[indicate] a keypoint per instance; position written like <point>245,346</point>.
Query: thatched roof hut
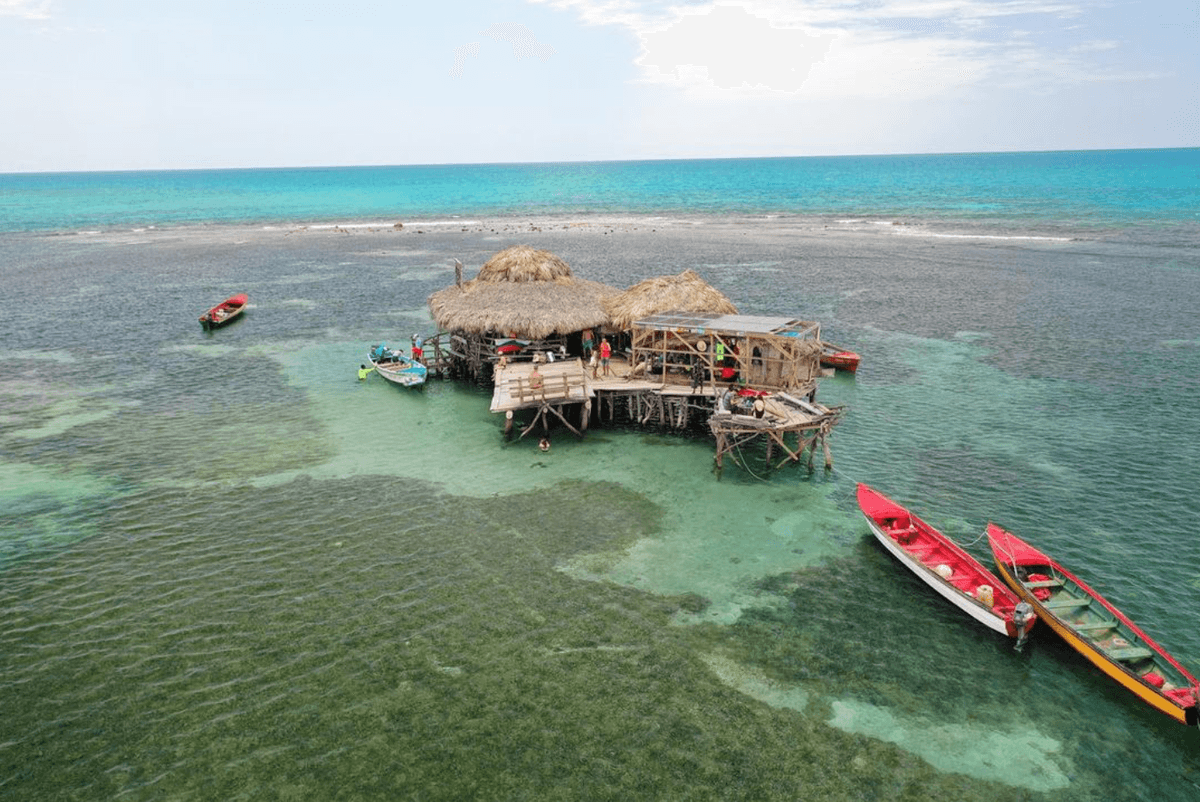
<point>524,292</point>
<point>686,292</point>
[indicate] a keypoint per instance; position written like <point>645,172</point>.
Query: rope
<point>981,536</point>
<point>745,467</point>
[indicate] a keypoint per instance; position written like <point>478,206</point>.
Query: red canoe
<point>1095,628</point>
<point>225,311</point>
<point>834,357</point>
<point>945,566</point>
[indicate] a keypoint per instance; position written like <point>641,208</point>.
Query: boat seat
<point>1095,626</point>
<point>1129,653</point>
<point>1065,604</point>
<point>1044,583</point>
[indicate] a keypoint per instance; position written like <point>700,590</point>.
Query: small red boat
<point>945,566</point>
<point>1095,628</point>
<point>833,356</point>
<point>225,311</point>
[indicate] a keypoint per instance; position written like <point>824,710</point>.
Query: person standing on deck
<point>697,373</point>
<point>418,352</point>
<point>605,354</point>
<point>589,342</point>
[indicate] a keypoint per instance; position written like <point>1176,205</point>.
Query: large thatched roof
<point>686,292</point>
<point>525,292</point>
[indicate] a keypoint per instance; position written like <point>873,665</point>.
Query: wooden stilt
<point>508,424</point>
<point>558,413</point>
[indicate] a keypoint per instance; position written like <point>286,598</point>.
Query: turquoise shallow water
<point>228,569</point>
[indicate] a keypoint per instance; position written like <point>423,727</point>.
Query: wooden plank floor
<point>564,382</point>
<point>570,382</point>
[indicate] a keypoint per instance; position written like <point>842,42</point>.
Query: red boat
<point>224,312</point>
<point>1095,628</point>
<point>945,566</point>
<point>833,356</point>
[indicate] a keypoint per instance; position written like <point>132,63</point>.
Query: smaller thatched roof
<point>525,292</point>
<point>521,263</point>
<point>686,292</point>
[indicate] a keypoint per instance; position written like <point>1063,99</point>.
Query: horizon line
<point>516,163</point>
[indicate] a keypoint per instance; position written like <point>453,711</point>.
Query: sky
<point>165,84</point>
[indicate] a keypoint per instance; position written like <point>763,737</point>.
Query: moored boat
<point>945,566</point>
<point>833,356</point>
<point>395,367</point>
<point>1095,628</point>
<point>225,311</point>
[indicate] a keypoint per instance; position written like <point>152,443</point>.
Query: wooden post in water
<point>508,424</point>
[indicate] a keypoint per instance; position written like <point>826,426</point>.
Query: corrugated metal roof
<point>740,325</point>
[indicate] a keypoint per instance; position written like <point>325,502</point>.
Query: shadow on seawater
<point>326,637</point>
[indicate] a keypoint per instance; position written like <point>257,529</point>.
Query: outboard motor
<point>1022,615</point>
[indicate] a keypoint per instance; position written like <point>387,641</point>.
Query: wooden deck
<point>670,402</point>
<point>564,382</point>
<point>570,382</point>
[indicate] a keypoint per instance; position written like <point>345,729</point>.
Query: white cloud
<point>856,49</point>
<point>28,9</point>
<point>461,54</point>
<point>524,41</point>
<point>728,48</point>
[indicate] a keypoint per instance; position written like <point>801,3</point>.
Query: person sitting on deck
<point>536,384</point>
<point>726,404</point>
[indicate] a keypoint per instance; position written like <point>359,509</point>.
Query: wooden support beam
<point>557,410</point>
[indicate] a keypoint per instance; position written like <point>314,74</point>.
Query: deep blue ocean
<point>231,570</point>
<point>1073,189</point>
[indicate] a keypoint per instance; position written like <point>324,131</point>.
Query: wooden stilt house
<point>524,301</point>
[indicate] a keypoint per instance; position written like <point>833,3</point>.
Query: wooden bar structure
<point>671,377</point>
<point>775,354</point>
<point>682,357</point>
<point>439,357</point>
<point>774,419</point>
<point>481,352</point>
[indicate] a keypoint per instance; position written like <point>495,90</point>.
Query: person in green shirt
<point>363,372</point>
